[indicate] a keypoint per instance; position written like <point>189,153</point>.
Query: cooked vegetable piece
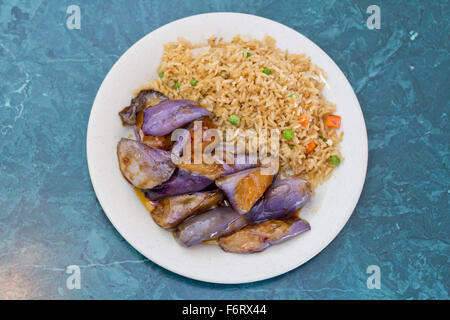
<point>145,98</point>
<point>163,142</point>
<point>241,162</point>
<point>210,169</point>
<point>143,166</point>
<point>283,198</point>
<point>194,128</point>
<point>304,121</point>
<point>249,54</point>
<point>161,74</point>
<point>322,138</point>
<point>335,160</point>
<point>256,238</point>
<point>234,119</point>
<point>212,224</point>
<point>266,71</point>
<point>244,188</point>
<point>310,147</point>
<point>181,182</point>
<point>194,82</point>
<point>170,115</point>
<point>171,211</point>
<point>176,85</point>
<point>293,95</point>
<point>288,134</point>
<point>333,121</point>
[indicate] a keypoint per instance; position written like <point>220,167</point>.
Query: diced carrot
<point>310,147</point>
<point>304,121</point>
<point>333,121</point>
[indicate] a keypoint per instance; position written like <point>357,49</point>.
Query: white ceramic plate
<point>328,211</point>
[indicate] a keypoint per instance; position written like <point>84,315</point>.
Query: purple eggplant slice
<point>235,159</point>
<point>178,145</point>
<point>196,133</point>
<point>143,166</point>
<point>244,188</point>
<point>212,224</point>
<point>205,165</point>
<point>283,198</point>
<point>212,165</point>
<point>170,115</point>
<point>256,238</point>
<point>163,142</point>
<point>209,170</point>
<point>241,162</point>
<point>181,182</point>
<point>171,211</point>
<point>145,98</point>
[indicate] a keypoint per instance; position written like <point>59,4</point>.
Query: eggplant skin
<point>211,169</point>
<point>244,188</point>
<point>170,115</point>
<point>142,166</point>
<point>146,97</point>
<point>256,238</point>
<point>241,162</point>
<point>212,224</point>
<point>163,142</point>
<point>171,211</point>
<point>283,198</point>
<point>181,182</point>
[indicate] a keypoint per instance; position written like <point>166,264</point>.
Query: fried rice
<point>267,88</point>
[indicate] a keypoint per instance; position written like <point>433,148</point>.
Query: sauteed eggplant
<point>143,166</point>
<point>261,236</point>
<point>250,212</point>
<point>210,225</point>
<point>283,198</point>
<point>170,115</point>
<point>181,182</point>
<point>145,98</point>
<point>244,188</point>
<point>170,211</point>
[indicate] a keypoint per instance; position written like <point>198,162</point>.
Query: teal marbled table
<point>50,217</point>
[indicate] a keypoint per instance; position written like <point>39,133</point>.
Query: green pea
<point>194,82</point>
<point>288,134</point>
<point>334,160</point>
<point>234,119</point>
<point>161,75</point>
<point>176,85</point>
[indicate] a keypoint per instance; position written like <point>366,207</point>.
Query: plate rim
<point>197,277</point>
